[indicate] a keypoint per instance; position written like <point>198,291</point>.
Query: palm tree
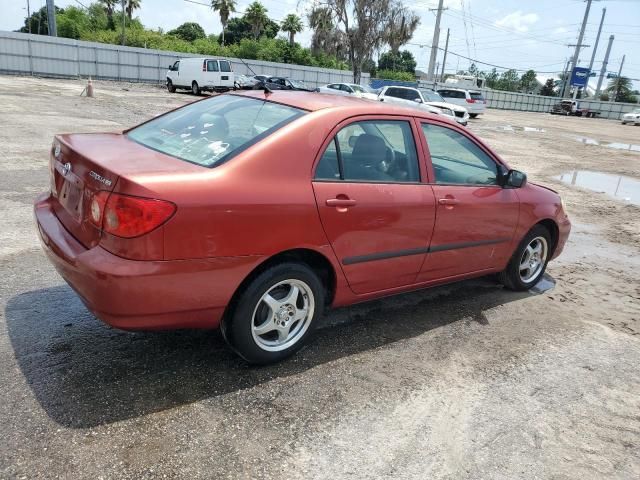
<point>327,38</point>
<point>292,24</point>
<point>224,9</point>
<point>256,15</point>
<point>399,30</point>
<point>620,87</point>
<point>109,7</point>
<point>131,6</point>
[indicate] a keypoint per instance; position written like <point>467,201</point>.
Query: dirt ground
<point>466,381</point>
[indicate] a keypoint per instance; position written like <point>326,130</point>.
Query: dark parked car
<point>283,83</point>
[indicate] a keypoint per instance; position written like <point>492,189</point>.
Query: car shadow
<point>85,374</point>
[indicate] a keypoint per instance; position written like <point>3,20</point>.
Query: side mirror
<point>515,179</point>
<point>417,100</point>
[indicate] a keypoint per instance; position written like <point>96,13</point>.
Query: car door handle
<point>448,201</point>
<point>341,202</point>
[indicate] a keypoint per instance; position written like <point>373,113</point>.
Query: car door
<point>476,217</point>
<point>174,73</point>
<point>376,213</point>
<point>396,95</point>
<point>212,74</point>
<point>227,77</point>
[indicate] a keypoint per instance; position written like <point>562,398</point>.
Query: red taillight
<point>470,100</point>
<point>126,216</point>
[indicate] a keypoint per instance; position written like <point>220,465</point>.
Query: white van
<point>201,74</point>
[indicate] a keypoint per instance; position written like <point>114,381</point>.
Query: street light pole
<point>579,45</point>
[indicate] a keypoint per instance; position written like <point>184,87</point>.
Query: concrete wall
<point>22,53</point>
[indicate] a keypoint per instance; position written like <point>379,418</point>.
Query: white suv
<point>423,98</point>
<point>471,99</point>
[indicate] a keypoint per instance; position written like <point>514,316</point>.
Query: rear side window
<point>212,65</point>
<point>452,93</point>
<point>211,131</point>
<point>225,66</point>
<point>379,151</point>
<point>458,160</point>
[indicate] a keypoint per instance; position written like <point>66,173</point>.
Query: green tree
<point>327,39</point>
<point>109,8</point>
<point>188,31</point>
<point>620,89</point>
<point>131,6</point>
<point>400,26</point>
<point>256,15</point>
<point>239,29</point>
<point>400,62</point>
<point>548,89</point>
<point>38,21</point>
<point>224,9</point>
<point>492,78</point>
<point>509,81</point>
<point>72,22</point>
<point>528,81</point>
<point>394,75</point>
<point>98,19</point>
<point>291,24</point>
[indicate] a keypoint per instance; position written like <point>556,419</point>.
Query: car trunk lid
<point>82,165</point>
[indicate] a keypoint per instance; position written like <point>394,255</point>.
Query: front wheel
<point>528,263</point>
<point>275,314</point>
<point>170,86</point>
<point>195,89</point>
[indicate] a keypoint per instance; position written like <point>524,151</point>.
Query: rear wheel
<point>170,86</point>
<point>195,89</point>
<point>528,263</point>
<point>275,314</point>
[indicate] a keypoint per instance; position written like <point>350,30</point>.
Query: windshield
<point>431,96</point>
<point>357,88</point>
<point>476,95</point>
<point>211,131</point>
<point>298,84</point>
<point>635,111</point>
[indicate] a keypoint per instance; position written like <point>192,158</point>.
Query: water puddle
<point>617,186</point>
<point>546,284</point>
<point>615,145</point>
<point>510,128</point>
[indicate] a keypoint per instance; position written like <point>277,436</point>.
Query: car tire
<point>275,315</point>
<point>473,115</point>
<point>170,86</point>
<point>529,262</point>
<point>195,89</point>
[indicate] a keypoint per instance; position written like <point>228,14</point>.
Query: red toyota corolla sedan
<point>256,211</point>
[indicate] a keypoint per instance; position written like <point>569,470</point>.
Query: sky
<point>518,34</point>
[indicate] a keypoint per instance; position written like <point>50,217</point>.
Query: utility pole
<point>579,45</point>
<point>619,75</point>
<point>595,47</point>
<point>28,16</point>
<point>444,60</point>
<point>565,79</point>
<point>122,2</point>
<point>603,70</point>
<point>434,43</point>
<point>51,18</point>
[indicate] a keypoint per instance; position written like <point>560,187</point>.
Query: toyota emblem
<point>66,168</point>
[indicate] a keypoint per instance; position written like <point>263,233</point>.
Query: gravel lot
<point>463,381</point>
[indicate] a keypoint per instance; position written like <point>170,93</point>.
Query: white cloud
<point>518,21</point>
<point>560,30</point>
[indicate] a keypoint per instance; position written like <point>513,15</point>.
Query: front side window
<point>371,151</point>
<point>176,66</point>
<point>225,66</point>
<point>458,160</point>
<point>211,131</point>
<point>212,65</point>
<point>395,92</point>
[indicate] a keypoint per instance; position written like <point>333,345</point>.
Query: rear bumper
<point>142,295</point>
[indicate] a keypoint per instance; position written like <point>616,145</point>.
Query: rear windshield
<point>211,131</point>
<point>476,95</point>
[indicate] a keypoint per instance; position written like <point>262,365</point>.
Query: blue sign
<point>580,77</point>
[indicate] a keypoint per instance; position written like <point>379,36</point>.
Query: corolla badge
<point>66,168</point>
<point>100,178</point>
